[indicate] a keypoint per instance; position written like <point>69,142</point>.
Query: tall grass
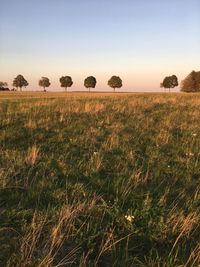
<point>99,180</point>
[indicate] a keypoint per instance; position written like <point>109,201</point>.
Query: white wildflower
<point>95,152</point>
<point>129,218</point>
<point>194,134</point>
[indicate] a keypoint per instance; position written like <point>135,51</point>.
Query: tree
<point>191,83</point>
<point>169,82</point>
<point>2,84</point>
<point>115,82</point>
<point>20,82</point>
<point>44,82</point>
<point>66,81</point>
<point>90,82</point>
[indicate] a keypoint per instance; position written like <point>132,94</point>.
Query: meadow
<point>99,180</point>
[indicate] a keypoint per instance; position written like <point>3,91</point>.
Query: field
<point>99,180</point>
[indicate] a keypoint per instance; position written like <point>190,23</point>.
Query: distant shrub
<point>4,88</point>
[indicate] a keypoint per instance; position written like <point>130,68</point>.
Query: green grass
<point>72,168</point>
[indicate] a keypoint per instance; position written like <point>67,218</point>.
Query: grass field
<point>99,180</point>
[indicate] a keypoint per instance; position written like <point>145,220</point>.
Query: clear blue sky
<point>139,40</point>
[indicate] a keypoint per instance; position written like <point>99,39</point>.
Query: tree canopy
<point>44,82</point>
<point>20,82</point>
<point>191,83</point>
<point>115,82</point>
<point>90,82</point>
<point>66,81</point>
<point>169,82</point>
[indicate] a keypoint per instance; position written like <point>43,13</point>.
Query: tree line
<point>190,84</point>
<point>65,81</point>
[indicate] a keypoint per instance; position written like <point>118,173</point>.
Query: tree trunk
<point>66,89</point>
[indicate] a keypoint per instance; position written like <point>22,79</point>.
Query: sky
<point>142,41</point>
